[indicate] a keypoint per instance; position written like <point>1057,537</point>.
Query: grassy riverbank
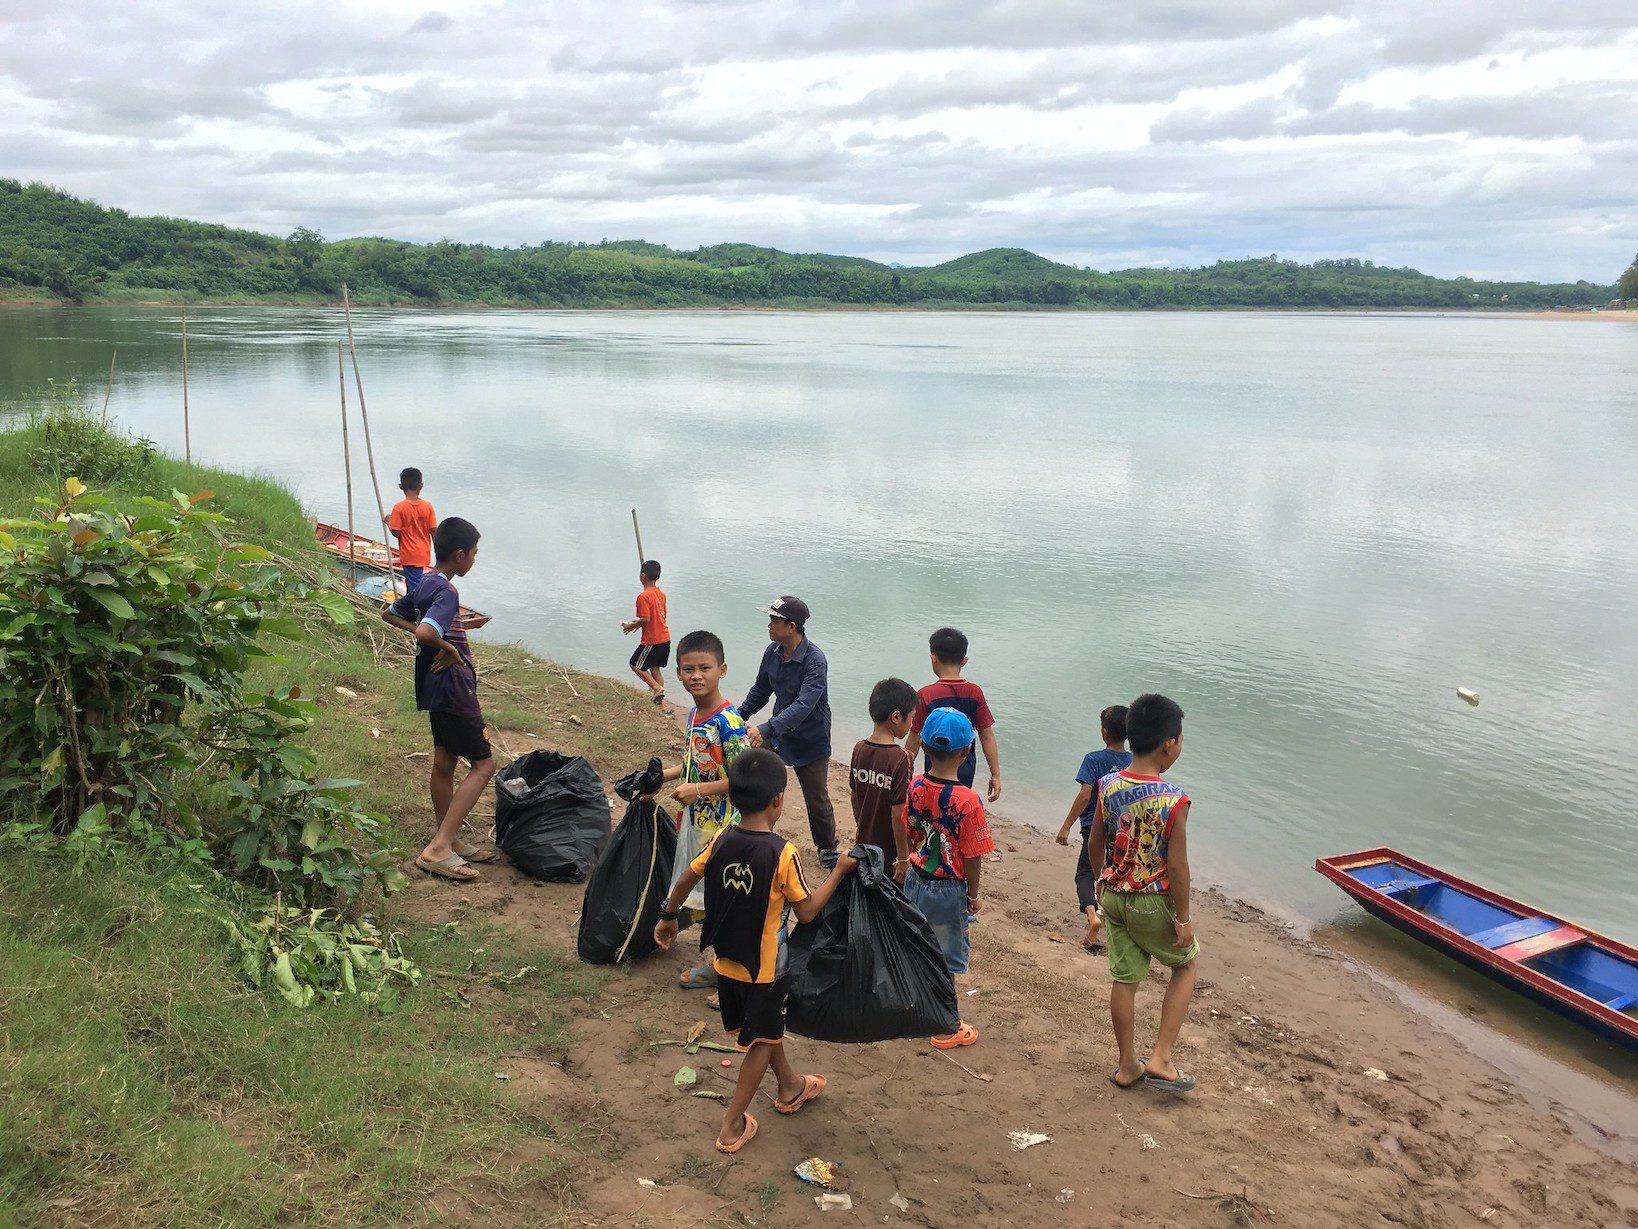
<point>142,1082</point>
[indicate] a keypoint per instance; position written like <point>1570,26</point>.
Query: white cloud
<point>1493,137</point>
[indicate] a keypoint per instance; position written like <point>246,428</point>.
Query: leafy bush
<point>68,440</point>
<point>124,646</point>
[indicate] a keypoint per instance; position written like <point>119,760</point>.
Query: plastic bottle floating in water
<point>1468,694</point>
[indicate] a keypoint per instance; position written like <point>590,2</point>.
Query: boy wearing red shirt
<point>413,522</point>
<point>653,652</point>
<point>948,649</point>
<point>949,836</point>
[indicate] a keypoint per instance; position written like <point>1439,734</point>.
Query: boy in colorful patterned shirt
<point>716,736</point>
<point>1138,827</point>
<point>949,836</point>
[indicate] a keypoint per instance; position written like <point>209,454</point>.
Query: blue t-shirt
<point>1097,765</point>
<point>454,690</point>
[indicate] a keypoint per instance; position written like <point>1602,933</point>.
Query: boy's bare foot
<point>1093,925</point>
<point>1121,1077</point>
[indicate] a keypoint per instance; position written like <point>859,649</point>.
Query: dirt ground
<point>1322,1099</point>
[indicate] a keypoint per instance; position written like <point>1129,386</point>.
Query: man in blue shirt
<point>794,672</point>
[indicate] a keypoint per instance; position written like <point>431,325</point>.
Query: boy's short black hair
<point>702,642</point>
<point>755,779</point>
<point>453,534</point>
<point>891,696</point>
<point>1113,720</point>
<point>948,645</point>
<point>1151,720</point>
<point>651,569</point>
<point>409,479</point>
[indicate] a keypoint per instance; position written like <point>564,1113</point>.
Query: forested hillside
<point>58,246</point>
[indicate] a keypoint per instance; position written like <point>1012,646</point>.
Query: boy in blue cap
<point>949,836</point>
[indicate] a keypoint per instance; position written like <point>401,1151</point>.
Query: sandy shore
<point>1324,1097</point>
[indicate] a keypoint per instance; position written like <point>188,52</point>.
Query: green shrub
<point>69,440</point>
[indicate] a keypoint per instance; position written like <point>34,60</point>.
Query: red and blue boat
<point>1584,976</point>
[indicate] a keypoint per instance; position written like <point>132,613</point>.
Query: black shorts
<point>754,1010</point>
<point>652,656</point>
<point>460,735</point>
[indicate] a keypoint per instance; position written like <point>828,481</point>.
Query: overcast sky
<point>1488,137</point>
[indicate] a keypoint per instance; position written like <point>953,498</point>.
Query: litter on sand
<point>346,693</point>
<point>685,1076</point>
<point>820,1172</point>
<point>711,1094</point>
<point>1375,1073</point>
<point>501,1075</point>
<point>829,1202</point>
<point>900,1202</point>
<point>647,1183</point>
<point>1027,1139</point>
<point>1065,1195</point>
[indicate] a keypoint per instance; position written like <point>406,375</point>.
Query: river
<point>1307,529</point>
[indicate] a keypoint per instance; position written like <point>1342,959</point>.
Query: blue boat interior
<point>1582,967</point>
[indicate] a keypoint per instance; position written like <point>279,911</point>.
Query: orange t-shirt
<point>413,521</point>
<point>651,609</point>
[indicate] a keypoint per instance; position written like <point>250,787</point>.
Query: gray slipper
<point>1183,1083</point>
<point>703,977</point>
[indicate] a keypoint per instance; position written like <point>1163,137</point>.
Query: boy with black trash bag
<point>624,893</point>
<point>753,881</point>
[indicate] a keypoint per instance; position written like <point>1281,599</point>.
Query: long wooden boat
<point>383,577</point>
<point>377,556</point>
<point>1584,976</point>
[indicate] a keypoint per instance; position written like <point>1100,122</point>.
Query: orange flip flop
<point>963,1036</point>
<point>812,1086</point>
<point>746,1137</point>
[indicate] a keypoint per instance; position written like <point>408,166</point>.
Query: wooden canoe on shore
<point>379,562</point>
<point>1584,976</point>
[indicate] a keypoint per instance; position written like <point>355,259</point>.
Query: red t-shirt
<point>413,521</point>
<point>962,694</point>
<point>947,826</point>
<point>651,609</point>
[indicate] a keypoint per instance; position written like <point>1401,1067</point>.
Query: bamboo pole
<point>369,448</point>
<point>109,392</point>
<point>347,464</point>
<point>641,558</point>
<point>187,442</point>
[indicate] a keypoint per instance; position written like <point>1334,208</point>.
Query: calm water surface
<point>1310,530</point>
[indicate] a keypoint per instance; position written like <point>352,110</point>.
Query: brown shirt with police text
<point>879,779</point>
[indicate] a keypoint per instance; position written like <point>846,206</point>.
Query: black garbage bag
<point>625,892</point>
<point>551,815</point>
<point>867,968</point>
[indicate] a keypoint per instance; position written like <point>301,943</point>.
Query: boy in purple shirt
<point>446,689</point>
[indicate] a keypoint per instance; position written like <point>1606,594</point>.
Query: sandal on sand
<point>963,1036</point>
<point>1183,1083</point>
<point>812,1086</point>
<point>1143,1066</point>
<point>745,1137</point>
<point>658,697</point>
<point>473,854</point>
<point>713,1002</point>
<point>450,868</point>
<point>702,977</point>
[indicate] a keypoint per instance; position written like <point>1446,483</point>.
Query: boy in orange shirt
<point>412,521</point>
<point>653,652</point>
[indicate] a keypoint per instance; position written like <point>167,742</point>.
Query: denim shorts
<point>943,902</point>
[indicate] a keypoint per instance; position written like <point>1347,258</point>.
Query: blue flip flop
<point>1183,1083</point>
<point>1128,1087</point>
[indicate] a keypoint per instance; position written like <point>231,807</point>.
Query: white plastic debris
<point>900,1202</point>
<point>1375,1073</point>
<point>346,693</point>
<point>647,1183</point>
<point>1026,1139</point>
<point>1065,1195</point>
<point>830,1201</point>
<point>1468,694</point>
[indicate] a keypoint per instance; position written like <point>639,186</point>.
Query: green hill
<point>58,246</point>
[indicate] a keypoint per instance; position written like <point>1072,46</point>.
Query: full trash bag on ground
<point>625,892</point>
<point>551,815</point>
<point>867,968</point>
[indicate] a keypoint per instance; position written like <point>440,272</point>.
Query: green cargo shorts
<point>1141,926</point>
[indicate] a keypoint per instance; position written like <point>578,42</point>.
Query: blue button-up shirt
<point>800,727</point>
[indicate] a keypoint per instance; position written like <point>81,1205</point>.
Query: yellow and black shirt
<point>750,878</point>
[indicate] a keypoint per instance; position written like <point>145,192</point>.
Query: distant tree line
<point>75,250</point>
